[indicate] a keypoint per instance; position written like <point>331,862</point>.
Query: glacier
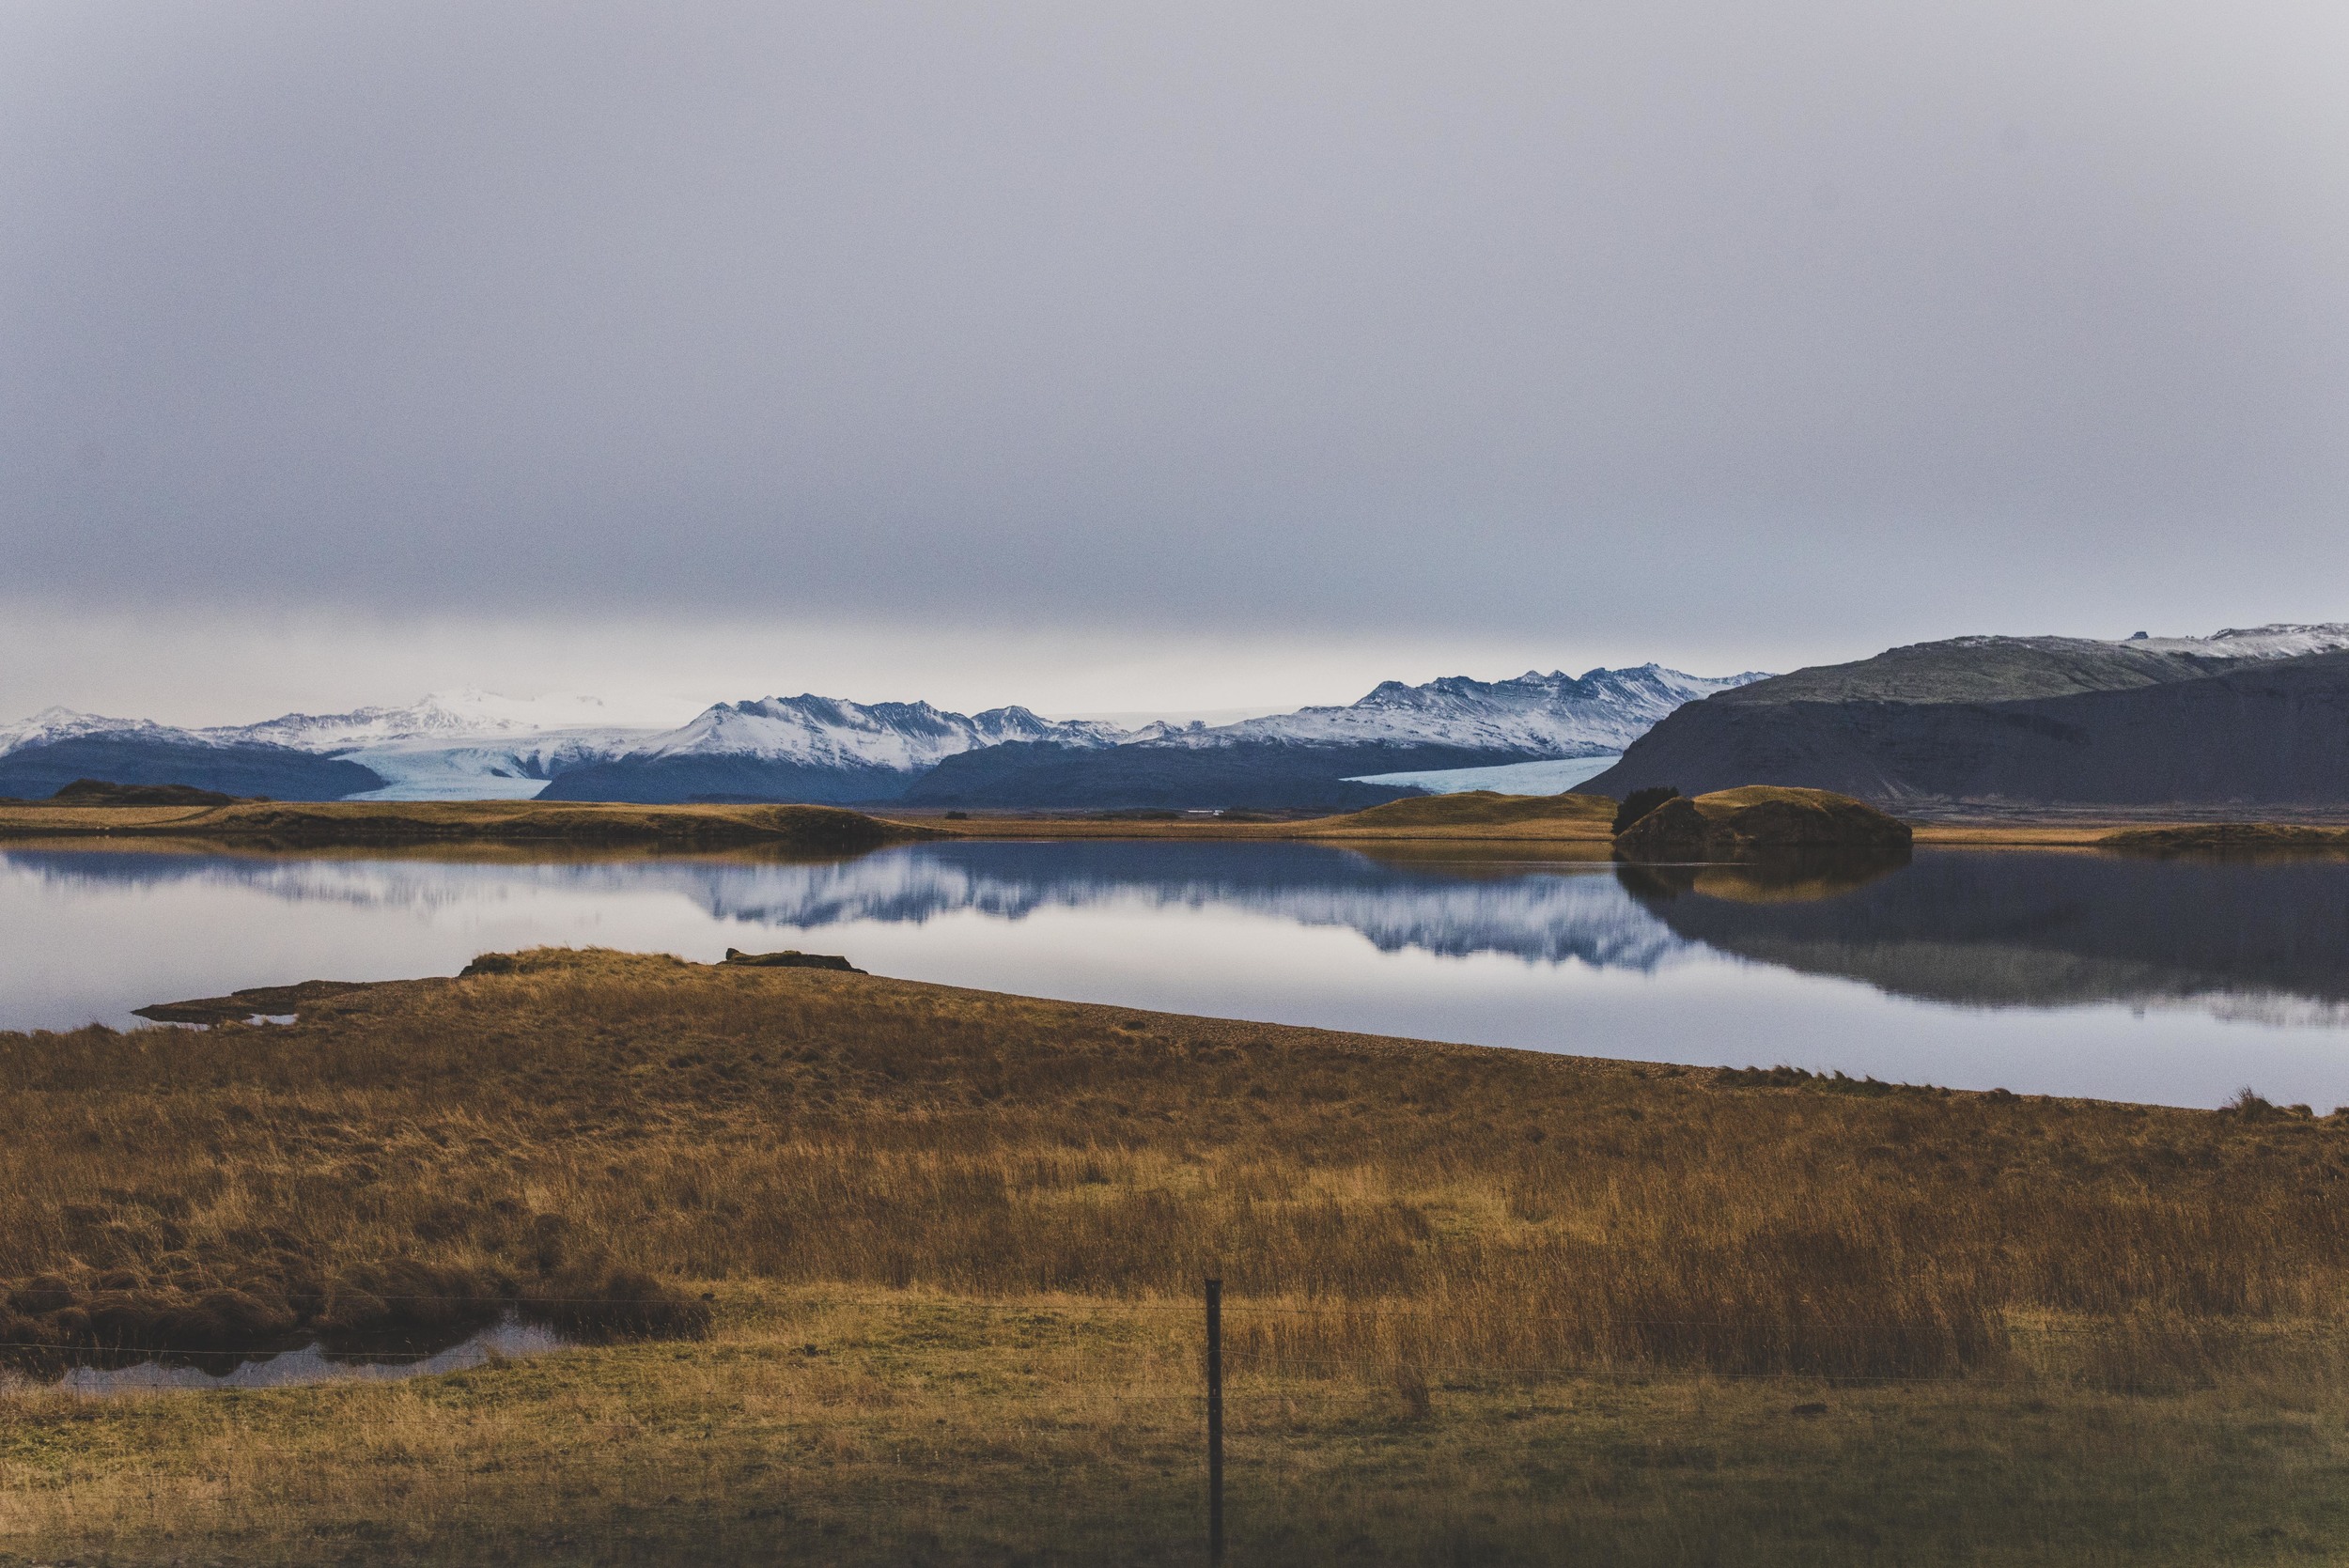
<point>1509,778</point>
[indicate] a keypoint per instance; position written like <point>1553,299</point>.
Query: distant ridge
<point>159,756</point>
<point>1314,758</point>
<point>2254,716</point>
<point>1535,717</point>
<point>810,749</point>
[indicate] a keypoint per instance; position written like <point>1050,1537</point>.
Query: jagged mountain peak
<point>1533,716</point>
<point>466,742</point>
<point>465,713</point>
<point>56,722</point>
<point>810,730</point>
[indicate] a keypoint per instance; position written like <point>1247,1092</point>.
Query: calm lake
<point>2048,972</point>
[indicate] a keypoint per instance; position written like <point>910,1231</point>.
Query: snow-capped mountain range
<point>474,744</point>
<point>2277,639</point>
<point>451,745</point>
<point>1539,716</point>
<point>468,715</point>
<point>902,736</point>
<point>445,715</point>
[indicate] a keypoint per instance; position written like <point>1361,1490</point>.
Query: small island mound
<point>1759,819</point>
<point>2229,839</point>
<point>1479,808</point>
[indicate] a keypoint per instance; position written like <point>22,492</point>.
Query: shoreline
<point>517,826</point>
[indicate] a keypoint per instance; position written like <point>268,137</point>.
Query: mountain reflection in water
<point>2039,930</point>
<point>1714,963</point>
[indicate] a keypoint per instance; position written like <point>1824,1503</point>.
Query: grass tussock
<point>576,1135</point>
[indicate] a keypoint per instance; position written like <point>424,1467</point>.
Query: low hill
<point>402,822</point>
<point>1759,819</point>
<point>2048,722</point>
<point>1481,808</point>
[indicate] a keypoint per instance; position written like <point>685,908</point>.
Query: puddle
<point>314,1363</point>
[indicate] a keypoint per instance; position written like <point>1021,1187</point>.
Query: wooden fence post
<point>1215,1421</point>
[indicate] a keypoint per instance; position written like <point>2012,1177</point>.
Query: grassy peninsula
<point>931,1257</point>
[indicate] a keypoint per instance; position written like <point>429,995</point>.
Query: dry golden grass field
<point>870,1271</point>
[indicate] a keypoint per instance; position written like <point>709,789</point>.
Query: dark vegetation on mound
<point>1759,819</point>
<point>588,1129</point>
<point>277,772</point>
<point>792,958</point>
<point>101,792</point>
<point>2025,720</point>
<point>1639,802</point>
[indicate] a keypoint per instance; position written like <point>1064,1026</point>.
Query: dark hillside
<point>1985,670</point>
<point>280,772</point>
<point>2257,733</point>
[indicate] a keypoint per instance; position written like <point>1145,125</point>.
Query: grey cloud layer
<point>1445,317</point>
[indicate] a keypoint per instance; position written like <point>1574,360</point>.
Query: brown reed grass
<point>855,1426</point>
<point>591,1125</point>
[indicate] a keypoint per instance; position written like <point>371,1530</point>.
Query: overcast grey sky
<point>1121,356</point>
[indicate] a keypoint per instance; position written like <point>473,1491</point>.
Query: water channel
<point>2069,973</point>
